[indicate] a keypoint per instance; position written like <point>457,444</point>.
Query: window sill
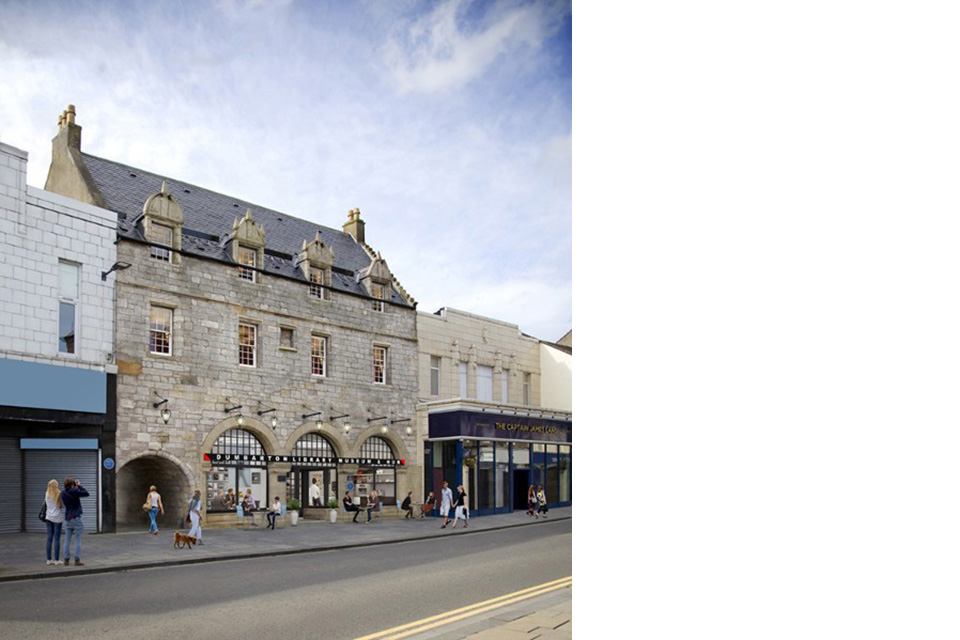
<point>287,349</point>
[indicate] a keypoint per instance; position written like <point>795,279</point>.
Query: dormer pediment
<point>248,233</point>
<point>315,254</point>
<point>377,271</point>
<point>163,207</point>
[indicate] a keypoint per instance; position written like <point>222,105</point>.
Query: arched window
<point>238,442</point>
<point>379,479</point>
<point>376,447</point>
<point>314,444</point>
<point>228,481</point>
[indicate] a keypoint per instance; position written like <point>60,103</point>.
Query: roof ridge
<point>218,193</point>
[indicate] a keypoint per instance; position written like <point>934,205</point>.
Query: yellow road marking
<point>470,610</point>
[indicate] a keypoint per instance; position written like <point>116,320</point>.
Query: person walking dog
<point>73,517</point>
<point>156,504</point>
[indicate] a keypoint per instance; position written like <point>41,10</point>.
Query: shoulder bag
<point>43,512</point>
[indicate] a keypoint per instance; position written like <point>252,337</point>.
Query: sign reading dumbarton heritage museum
<point>299,461</point>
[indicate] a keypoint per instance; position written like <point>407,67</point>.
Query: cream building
<point>481,417</point>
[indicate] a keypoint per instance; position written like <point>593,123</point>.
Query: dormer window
<point>247,258</point>
<point>161,234</point>
<point>317,282</point>
<point>377,294</point>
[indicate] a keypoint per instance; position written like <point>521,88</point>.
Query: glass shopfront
<point>318,469</point>
<point>497,472</point>
<point>238,463</point>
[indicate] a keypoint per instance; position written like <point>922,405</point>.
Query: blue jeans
<point>73,527</point>
<point>153,518</point>
<point>53,533</point>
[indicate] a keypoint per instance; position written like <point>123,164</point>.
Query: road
<point>334,594</point>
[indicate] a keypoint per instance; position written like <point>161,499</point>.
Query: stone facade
<point>202,264</point>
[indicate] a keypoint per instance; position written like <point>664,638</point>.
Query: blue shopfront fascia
<point>34,385</point>
<point>460,425</point>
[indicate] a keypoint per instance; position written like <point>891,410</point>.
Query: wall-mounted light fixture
<point>319,424</point>
<point>117,266</point>
<point>239,414</point>
<point>409,429</point>
<point>346,425</point>
<point>165,412</point>
<point>273,419</point>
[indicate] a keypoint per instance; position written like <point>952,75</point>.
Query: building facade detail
<point>258,381</point>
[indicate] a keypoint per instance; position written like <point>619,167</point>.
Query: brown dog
<point>181,539</point>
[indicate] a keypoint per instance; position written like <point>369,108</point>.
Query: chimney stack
<point>354,225</point>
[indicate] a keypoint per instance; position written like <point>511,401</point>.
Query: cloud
<point>438,53</point>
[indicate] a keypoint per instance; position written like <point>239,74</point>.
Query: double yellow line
<point>465,612</point>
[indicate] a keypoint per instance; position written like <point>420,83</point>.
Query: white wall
<point>37,230</point>
<point>556,378</point>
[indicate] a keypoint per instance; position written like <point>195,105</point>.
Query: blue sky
<point>447,123</point>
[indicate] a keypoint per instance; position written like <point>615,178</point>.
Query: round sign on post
<point>108,463</point>
<point>349,486</point>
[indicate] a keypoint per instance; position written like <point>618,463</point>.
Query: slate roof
<point>209,217</point>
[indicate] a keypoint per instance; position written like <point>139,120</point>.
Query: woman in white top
<point>54,521</point>
<point>194,509</point>
<point>156,504</point>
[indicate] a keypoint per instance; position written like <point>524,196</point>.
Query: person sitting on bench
<point>407,505</point>
<point>428,505</point>
<point>273,513</point>
<point>348,506</point>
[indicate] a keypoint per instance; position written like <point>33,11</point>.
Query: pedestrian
<point>531,500</point>
<point>249,504</point>
<point>156,504</point>
<point>446,499</point>
<point>231,500</point>
<point>195,517</point>
<point>54,521</point>
<point>407,505</point>
<point>372,505</point>
<point>220,502</point>
<point>542,501</point>
<point>73,518</point>
<point>273,513</point>
<point>461,507</point>
<point>428,504</point>
<point>348,506</point>
<point>315,494</point>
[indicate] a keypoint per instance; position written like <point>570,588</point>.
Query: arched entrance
<point>133,483</point>
<point>381,476</point>
<point>315,471</point>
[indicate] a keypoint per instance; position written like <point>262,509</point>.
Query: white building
<point>57,415</point>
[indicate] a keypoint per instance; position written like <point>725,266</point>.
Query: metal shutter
<point>10,486</point>
<point>42,466</point>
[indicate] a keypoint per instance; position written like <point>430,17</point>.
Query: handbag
<point>147,506</point>
<point>43,512</point>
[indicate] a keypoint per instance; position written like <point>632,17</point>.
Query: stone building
<point>255,350</point>
<point>57,409</point>
<point>480,416</point>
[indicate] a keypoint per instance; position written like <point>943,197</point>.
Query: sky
<point>448,124</point>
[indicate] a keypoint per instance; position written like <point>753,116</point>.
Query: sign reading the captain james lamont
<point>480,425</point>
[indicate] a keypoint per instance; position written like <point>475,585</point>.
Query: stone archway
<point>173,483</point>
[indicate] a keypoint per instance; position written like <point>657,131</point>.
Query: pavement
<point>22,557</point>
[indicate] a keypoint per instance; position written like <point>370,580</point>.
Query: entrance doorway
<point>521,483</point>
<point>133,483</point>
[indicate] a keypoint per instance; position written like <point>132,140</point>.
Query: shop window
<point>552,485</point>
<point>161,330</point>
<point>565,485</point>
<point>381,480</point>
<point>235,478</point>
<point>69,291</point>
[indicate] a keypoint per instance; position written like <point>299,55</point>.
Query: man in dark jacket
<point>73,512</point>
